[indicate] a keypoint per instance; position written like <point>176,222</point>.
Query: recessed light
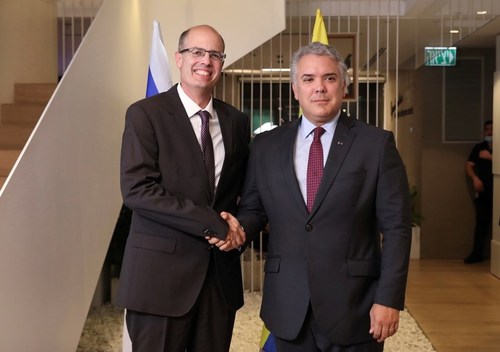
<point>275,70</point>
<point>482,12</point>
<point>454,31</point>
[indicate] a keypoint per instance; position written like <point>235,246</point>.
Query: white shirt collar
<point>191,107</point>
<point>306,126</point>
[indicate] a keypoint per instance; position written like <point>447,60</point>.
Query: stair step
<point>2,181</point>
<point>7,160</point>
<point>33,92</point>
<point>21,113</point>
<point>14,137</point>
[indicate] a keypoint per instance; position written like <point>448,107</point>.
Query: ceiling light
<point>482,12</point>
<point>454,31</point>
<point>275,70</point>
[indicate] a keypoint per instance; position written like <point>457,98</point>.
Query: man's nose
<point>320,87</point>
<point>206,57</point>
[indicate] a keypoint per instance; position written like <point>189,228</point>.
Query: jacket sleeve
<point>142,189</point>
<point>251,212</point>
<point>394,222</point>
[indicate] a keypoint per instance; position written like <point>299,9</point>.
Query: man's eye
<point>331,79</point>
<point>307,79</point>
<point>196,52</point>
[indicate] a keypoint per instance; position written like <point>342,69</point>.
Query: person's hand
<point>478,184</point>
<point>236,234</point>
<point>485,154</point>
<point>235,237</point>
<point>384,322</point>
<point>214,241</point>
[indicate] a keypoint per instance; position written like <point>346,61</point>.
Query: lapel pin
<point>340,143</point>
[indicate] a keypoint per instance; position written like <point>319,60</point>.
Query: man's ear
<point>294,88</point>
<point>178,59</point>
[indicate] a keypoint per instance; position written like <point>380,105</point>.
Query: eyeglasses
<point>199,53</point>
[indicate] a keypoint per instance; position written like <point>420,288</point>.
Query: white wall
<point>59,206</point>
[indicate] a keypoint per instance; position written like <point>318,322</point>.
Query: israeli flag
<point>159,78</point>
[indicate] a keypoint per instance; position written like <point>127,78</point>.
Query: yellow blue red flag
<point>319,31</point>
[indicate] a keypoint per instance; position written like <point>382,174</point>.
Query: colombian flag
<point>319,32</point>
<point>267,343</point>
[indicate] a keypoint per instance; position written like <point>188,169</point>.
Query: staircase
<point>18,120</point>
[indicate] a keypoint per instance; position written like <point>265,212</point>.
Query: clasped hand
<point>235,237</point>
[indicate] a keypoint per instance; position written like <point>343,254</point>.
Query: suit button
<point>208,232</point>
<point>309,227</point>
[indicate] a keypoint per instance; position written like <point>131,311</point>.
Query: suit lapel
<point>286,163</point>
<point>184,131</point>
<point>341,143</point>
<point>226,127</point>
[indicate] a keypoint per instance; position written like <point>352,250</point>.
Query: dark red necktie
<point>207,149</point>
<point>314,167</point>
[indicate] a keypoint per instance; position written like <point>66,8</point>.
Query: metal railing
<point>74,18</point>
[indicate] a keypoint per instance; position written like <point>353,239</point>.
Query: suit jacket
<point>330,258</point>
<point>164,182</point>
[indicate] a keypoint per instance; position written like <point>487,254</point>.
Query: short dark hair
<point>488,122</point>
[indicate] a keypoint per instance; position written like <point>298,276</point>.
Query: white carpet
<point>103,329</point>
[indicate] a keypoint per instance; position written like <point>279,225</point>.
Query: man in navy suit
<point>339,245</point>
<point>181,293</point>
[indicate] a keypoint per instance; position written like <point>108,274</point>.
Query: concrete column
<point>495,242</point>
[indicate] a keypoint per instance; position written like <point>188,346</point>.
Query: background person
<point>181,293</point>
<point>479,168</point>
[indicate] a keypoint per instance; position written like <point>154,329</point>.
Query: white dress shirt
<point>303,143</point>
<point>215,132</point>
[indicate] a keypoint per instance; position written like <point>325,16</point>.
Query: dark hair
<point>488,122</point>
<point>320,49</point>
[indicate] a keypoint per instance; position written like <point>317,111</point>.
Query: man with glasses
<point>183,159</point>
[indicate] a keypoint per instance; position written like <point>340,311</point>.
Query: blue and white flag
<point>159,78</point>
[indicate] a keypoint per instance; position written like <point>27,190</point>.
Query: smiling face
<point>319,88</point>
<point>198,75</point>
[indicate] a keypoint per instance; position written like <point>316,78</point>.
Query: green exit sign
<point>440,56</point>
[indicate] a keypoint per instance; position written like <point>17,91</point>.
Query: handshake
<point>235,237</point>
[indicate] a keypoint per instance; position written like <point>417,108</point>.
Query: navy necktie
<point>207,149</point>
<point>314,167</point>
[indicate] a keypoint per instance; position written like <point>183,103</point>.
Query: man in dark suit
<point>340,233</point>
<point>181,293</point>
